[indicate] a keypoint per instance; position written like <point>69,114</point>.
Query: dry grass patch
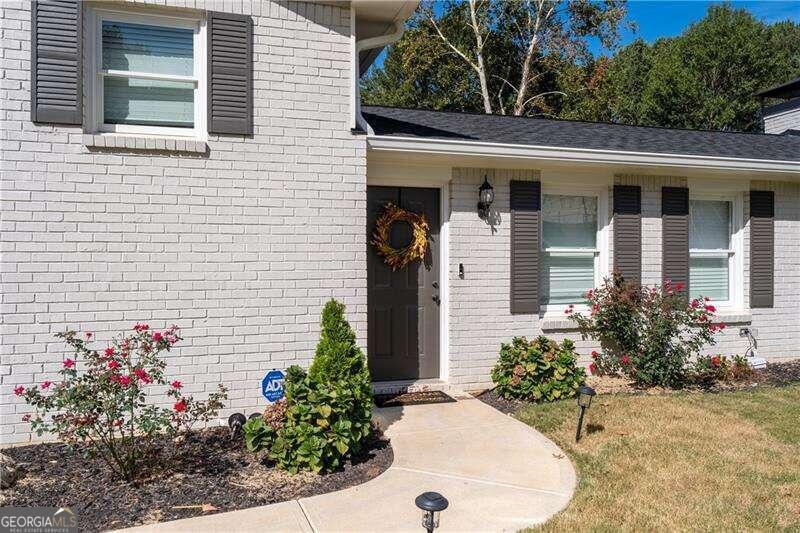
<point>700,462</point>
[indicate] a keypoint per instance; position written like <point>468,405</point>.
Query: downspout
<point>380,41</point>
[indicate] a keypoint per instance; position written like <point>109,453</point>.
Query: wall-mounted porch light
<point>585,395</point>
<point>485,198</point>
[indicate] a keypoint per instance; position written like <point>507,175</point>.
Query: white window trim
<point>96,73</point>
<point>735,254</point>
<point>602,260</point>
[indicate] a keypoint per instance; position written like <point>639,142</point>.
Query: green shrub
<point>328,411</point>
<point>708,370</point>
<point>648,334</point>
<point>539,370</point>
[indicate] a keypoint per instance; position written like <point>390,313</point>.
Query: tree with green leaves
<point>497,57</point>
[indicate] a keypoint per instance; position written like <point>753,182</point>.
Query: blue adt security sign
<point>272,386</point>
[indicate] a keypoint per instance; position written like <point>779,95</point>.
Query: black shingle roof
<point>400,122</point>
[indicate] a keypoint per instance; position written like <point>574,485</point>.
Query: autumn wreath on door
<point>416,249</point>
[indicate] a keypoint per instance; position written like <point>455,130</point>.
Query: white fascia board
<point>576,155</point>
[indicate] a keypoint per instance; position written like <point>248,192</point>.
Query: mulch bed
<point>208,473</point>
<point>412,398</point>
<point>776,374</point>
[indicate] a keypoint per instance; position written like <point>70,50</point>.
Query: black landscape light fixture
<point>432,503</point>
<point>235,422</point>
<point>485,198</point>
<point>585,395</point>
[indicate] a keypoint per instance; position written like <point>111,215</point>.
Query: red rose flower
<point>679,286</point>
<point>18,390</point>
<point>69,363</point>
<point>110,351</point>
<point>26,418</point>
<point>179,406</point>
<point>157,336</point>
<point>142,374</point>
<point>593,368</point>
<point>625,360</point>
<point>124,380</point>
<point>715,360</point>
<point>706,298</point>
<point>176,384</point>
<point>46,384</point>
<point>141,327</point>
<point>710,308</point>
<point>113,365</point>
<point>695,304</point>
<point>595,354</point>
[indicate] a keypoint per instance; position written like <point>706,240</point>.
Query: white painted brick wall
<point>241,247</point>
<point>479,304</point>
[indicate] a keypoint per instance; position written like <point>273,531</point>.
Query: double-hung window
<point>570,258</point>
<point>712,251</point>
<point>148,74</point>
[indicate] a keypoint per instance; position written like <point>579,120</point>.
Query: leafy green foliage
<point>648,334</point>
<point>328,411</point>
<point>704,78</point>
<point>540,370</point>
<point>422,71</point>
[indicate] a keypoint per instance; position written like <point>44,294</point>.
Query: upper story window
<point>148,74</point>
<point>714,252</point>
<point>571,248</point>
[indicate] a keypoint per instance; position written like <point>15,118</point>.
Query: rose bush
<point>102,398</point>
<point>647,334</point>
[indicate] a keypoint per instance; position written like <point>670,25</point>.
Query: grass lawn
<point>727,461</point>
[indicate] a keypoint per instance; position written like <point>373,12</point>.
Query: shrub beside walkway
<point>498,473</point>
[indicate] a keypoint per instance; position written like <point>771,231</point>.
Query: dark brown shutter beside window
<point>762,248</point>
<point>675,235</point>
<point>56,62</point>
<point>628,232</point>
<point>230,73</point>
<point>525,209</point>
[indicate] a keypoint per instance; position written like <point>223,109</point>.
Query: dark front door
<point>403,306</point>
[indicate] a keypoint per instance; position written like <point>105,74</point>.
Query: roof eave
<point>577,155</point>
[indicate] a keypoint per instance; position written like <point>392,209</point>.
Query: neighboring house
<point>207,164</point>
<point>782,117</point>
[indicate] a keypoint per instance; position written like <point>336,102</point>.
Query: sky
<point>667,18</point>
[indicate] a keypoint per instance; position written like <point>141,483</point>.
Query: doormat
<point>412,398</point>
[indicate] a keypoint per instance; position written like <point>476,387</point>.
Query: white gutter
<point>398,28</point>
<point>577,155</point>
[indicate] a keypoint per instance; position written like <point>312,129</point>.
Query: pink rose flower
<point>176,384</point>
<point>18,390</point>
<point>69,363</point>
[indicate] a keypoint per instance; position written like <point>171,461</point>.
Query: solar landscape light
<point>432,503</point>
<point>235,422</point>
<point>585,395</point>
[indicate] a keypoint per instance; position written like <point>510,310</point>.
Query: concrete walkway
<point>498,474</point>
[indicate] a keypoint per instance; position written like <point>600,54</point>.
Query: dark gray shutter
<point>230,73</point>
<point>525,209</point>
<point>628,232</point>
<point>56,62</point>
<point>762,248</point>
<point>675,235</point>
